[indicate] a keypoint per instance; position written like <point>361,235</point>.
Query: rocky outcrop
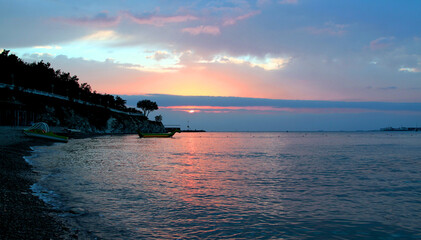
<point>90,119</point>
<point>129,124</point>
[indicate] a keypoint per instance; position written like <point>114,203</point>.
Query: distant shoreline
<point>401,129</point>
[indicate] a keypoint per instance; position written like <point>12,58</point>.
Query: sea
<point>237,185</point>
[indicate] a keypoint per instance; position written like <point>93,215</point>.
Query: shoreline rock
<point>93,120</point>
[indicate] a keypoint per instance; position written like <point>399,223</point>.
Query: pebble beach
<point>23,215</point>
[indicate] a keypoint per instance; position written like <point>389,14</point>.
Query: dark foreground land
<point>23,215</point>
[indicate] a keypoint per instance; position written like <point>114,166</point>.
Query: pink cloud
<point>381,43</point>
<point>212,30</point>
<point>233,21</point>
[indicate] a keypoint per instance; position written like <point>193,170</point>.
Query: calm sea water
<point>238,185</point>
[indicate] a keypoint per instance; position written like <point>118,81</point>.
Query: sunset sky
<point>256,65</point>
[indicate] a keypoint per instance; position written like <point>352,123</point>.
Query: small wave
<point>28,159</point>
<point>46,195</point>
<point>35,149</point>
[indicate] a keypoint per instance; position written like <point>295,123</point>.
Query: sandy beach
<point>23,215</point>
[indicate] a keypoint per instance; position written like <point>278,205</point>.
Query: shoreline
<point>24,215</point>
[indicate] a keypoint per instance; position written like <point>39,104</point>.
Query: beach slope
<point>23,215</point>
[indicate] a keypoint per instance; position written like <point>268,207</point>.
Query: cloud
<point>267,63</point>
<point>39,56</point>
<point>160,20</point>
<point>409,70</point>
<point>262,114</point>
<point>323,67</point>
<point>48,47</point>
<point>232,21</point>
<point>104,20</point>
<point>388,88</point>
<point>212,30</point>
<point>141,68</point>
<point>260,109</point>
<point>105,35</point>
<point>100,20</point>
<point>159,55</point>
<point>381,43</point>
<point>206,103</point>
<point>272,64</point>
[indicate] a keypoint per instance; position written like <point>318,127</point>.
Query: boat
<point>157,135</point>
<point>41,130</point>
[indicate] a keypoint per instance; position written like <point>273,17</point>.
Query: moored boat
<point>41,130</point>
<point>157,135</point>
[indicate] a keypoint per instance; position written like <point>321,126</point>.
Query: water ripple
<point>239,185</point>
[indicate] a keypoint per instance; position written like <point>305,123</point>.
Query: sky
<point>258,65</point>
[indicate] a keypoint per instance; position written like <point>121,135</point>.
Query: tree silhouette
<point>158,118</point>
<point>41,76</point>
<point>147,106</point>
<point>120,103</point>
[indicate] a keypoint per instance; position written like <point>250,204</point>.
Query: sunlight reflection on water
<point>240,185</point>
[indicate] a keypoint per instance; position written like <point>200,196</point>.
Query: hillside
<point>36,92</point>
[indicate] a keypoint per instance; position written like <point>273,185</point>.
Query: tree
<point>86,87</point>
<point>120,103</point>
<point>158,118</point>
<point>147,106</point>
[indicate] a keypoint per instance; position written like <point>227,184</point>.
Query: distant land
<point>416,129</point>
<point>191,130</point>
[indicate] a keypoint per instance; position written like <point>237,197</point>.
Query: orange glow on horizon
<point>263,109</point>
<point>186,82</point>
<point>216,108</point>
<point>190,81</point>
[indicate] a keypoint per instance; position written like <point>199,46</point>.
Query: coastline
<point>23,215</point>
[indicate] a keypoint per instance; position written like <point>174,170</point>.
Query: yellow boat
<point>157,135</point>
<point>41,130</point>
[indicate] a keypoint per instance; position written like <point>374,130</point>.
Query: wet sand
<point>23,215</point>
